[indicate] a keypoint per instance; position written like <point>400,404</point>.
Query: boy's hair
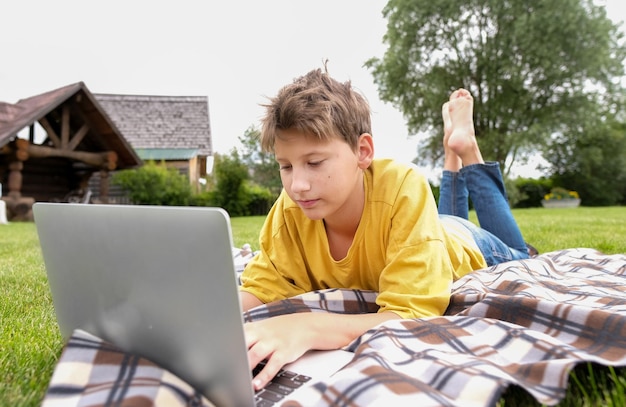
<point>317,105</point>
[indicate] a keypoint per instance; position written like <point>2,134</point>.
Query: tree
<point>529,66</point>
<point>264,170</point>
<point>592,161</point>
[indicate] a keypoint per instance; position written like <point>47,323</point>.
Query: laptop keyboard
<point>283,384</point>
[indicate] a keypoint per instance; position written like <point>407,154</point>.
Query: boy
<point>345,220</point>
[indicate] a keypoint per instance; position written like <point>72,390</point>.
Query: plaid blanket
<point>523,322</point>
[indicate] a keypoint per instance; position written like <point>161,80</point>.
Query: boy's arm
<point>248,301</point>
<point>285,338</point>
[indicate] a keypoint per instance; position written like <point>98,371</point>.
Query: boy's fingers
<point>271,369</point>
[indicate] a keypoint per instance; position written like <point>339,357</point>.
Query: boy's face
<point>324,178</point>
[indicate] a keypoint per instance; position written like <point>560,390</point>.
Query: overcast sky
<point>235,52</point>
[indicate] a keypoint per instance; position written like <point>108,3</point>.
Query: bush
<point>260,199</point>
<point>531,191</point>
<point>204,198</point>
<point>252,200</point>
<point>229,193</point>
<point>154,184</point>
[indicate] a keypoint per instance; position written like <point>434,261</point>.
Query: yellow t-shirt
<point>400,249</point>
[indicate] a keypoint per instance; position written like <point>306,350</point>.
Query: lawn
<point>30,343</point>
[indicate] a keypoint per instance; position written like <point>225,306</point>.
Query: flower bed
<point>561,198</point>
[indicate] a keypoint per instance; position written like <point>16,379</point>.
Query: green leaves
<point>264,169</point>
<point>154,184</point>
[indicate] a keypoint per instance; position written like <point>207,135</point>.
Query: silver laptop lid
<point>155,281</point>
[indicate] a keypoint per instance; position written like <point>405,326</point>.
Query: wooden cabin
<point>89,136</point>
<point>80,140</point>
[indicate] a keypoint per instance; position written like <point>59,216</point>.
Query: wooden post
<point>104,186</point>
<point>15,179</point>
<point>19,154</point>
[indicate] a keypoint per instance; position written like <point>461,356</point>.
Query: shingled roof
<point>172,123</point>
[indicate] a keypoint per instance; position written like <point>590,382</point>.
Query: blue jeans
<point>498,237</point>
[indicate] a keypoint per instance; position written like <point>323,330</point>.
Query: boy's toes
<point>462,93</point>
<point>455,94</point>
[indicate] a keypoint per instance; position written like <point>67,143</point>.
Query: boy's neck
<point>342,227</point>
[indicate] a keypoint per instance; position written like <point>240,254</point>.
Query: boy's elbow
<point>248,301</point>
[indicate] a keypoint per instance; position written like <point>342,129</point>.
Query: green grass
<point>554,229</point>
<point>29,338</point>
<point>30,343</point>
<point>246,230</point>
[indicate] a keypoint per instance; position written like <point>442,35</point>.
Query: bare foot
<point>462,139</point>
<point>452,162</point>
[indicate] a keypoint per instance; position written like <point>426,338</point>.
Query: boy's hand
<point>283,339</point>
<point>280,340</point>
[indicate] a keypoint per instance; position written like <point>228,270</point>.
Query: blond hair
<point>316,105</point>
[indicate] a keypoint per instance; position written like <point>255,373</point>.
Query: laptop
<point>159,282</point>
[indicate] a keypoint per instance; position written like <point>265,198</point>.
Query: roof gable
<point>15,117</point>
<point>102,134</point>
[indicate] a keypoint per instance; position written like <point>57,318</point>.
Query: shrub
<point>260,199</point>
<point>204,198</point>
<point>154,184</point>
<point>252,200</point>
<point>531,191</point>
<point>229,193</point>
